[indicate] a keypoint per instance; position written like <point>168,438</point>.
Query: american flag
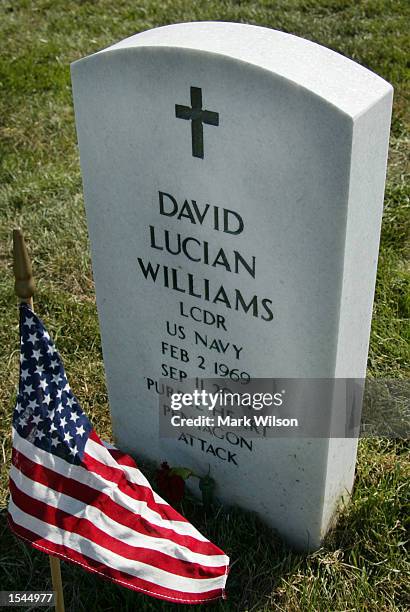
<point>77,498</point>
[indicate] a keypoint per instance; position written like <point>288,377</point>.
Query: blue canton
<point>47,412</point>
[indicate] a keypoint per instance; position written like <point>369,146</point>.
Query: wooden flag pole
<point>23,274</point>
<point>57,582</point>
<point>24,288</point>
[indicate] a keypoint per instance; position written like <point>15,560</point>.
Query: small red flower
<point>171,485</point>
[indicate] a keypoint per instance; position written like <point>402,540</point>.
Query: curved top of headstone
<point>338,80</point>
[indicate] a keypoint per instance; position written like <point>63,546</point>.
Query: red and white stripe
<point>104,515</point>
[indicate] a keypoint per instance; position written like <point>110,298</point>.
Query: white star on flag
<point>80,430</point>
<point>36,419</point>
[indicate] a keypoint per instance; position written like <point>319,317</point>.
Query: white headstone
<point>261,157</point>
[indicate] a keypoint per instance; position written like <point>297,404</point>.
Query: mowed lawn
<point>363,564</point>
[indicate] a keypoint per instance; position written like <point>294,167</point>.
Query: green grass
<point>363,564</point>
